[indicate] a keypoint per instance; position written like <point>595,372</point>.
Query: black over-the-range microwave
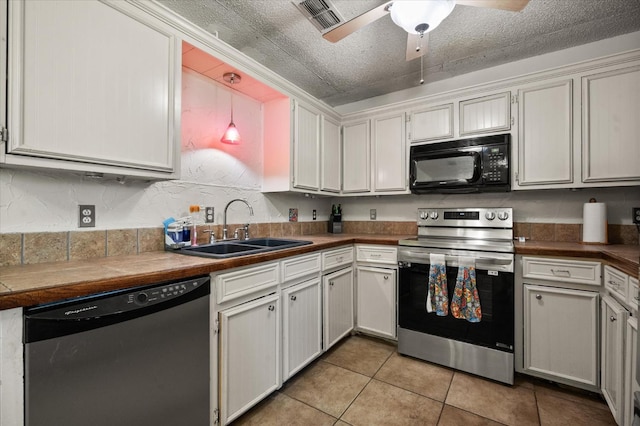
<point>479,164</point>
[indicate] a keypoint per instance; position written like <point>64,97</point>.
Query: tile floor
<point>364,381</point>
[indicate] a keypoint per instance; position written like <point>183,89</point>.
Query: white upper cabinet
<point>485,114</point>
<point>306,166</point>
<point>432,123</point>
<point>389,153</point>
<point>610,125</point>
<point>545,136</point>
<point>356,158</point>
<point>95,84</point>
<point>331,178</point>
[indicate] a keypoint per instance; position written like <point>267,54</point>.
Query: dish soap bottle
<point>195,214</point>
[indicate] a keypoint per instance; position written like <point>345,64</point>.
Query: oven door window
<point>452,168</point>
<point>495,330</point>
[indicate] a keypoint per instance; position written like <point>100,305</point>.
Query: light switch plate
<point>636,215</point>
<point>87,216</point>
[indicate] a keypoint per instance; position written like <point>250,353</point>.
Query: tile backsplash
<point>39,247</point>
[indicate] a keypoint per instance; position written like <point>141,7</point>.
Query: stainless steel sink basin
<point>273,242</point>
<point>225,249</point>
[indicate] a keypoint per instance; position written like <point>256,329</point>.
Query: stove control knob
<point>490,215</point>
<point>433,215</point>
<point>503,215</point>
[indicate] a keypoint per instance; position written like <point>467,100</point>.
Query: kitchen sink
<point>226,249</point>
<point>273,242</point>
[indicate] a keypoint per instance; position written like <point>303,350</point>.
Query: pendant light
<point>231,135</point>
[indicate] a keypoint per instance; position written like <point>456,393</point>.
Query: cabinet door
<point>249,355</point>
<point>331,178</point>
<point>611,102</point>
<point>302,325</point>
<point>376,300</point>
<point>561,333</point>
<point>306,147</point>
<point>545,140</point>
<point>614,318</point>
<point>631,384</point>
<point>432,123</point>
<point>389,153</point>
<point>338,306</point>
<point>485,114</point>
<point>356,157</point>
<point>81,91</point>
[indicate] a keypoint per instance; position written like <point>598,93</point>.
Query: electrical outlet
<point>636,215</point>
<point>209,216</point>
<point>373,214</point>
<point>315,215</point>
<point>87,216</point>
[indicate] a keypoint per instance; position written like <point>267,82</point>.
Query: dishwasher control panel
<point>166,292</point>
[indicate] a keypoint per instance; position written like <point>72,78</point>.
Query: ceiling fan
<point>417,18</point>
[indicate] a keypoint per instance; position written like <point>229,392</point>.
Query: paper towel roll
<point>594,227</point>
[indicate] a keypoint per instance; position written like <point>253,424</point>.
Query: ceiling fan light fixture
<point>414,15</point>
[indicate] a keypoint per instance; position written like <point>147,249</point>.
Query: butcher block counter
<point>26,285</point>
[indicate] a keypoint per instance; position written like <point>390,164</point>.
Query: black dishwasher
<point>129,357</point>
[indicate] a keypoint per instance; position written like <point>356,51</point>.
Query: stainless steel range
<point>478,239</point>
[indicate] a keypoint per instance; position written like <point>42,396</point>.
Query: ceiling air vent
<point>321,13</point>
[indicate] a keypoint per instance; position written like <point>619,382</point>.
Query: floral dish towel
<point>437,294</point>
<point>465,303</point>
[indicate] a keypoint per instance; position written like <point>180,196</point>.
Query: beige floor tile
<point>506,404</point>
<point>383,404</point>
<point>416,376</point>
<point>279,409</point>
<point>360,354</point>
<point>570,394</point>
<point>452,416</point>
<point>561,411</point>
<point>326,387</point>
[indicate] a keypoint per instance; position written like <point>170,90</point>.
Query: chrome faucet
<point>224,223</point>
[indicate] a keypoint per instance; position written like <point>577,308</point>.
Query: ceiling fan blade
<point>356,23</point>
<point>413,40</point>
<point>512,5</point>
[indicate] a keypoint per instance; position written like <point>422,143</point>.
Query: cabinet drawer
<point>300,266</point>
<point>336,258</point>
<point>633,294</point>
<point>616,282</point>
<point>231,285</point>
<point>568,271</point>
<point>377,254</point>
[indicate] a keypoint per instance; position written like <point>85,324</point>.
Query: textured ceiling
<point>371,61</point>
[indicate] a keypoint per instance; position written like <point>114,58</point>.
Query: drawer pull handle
<point>614,283</point>
<point>272,308</point>
<point>539,296</point>
<point>561,271</point>
<point>636,298</point>
<point>330,283</point>
<point>375,254</point>
<point>612,318</point>
<point>339,259</point>
<point>293,298</point>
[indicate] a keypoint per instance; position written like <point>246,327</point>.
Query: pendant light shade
<point>231,135</point>
<point>418,17</point>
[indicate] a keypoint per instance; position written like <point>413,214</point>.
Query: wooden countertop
<point>26,285</point>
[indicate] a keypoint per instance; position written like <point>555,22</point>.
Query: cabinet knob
<point>293,298</point>
<point>272,308</point>
<point>386,277</point>
<point>612,318</point>
<point>539,296</point>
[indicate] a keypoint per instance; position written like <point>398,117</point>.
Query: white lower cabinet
<point>561,334</point>
<point>11,367</point>
<point>631,384</point>
<point>376,300</point>
<point>301,325</point>
<point>249,355</point>
<point>338,305</point>
<point>614,319</point>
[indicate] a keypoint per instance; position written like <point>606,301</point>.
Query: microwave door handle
<point>477,167</point>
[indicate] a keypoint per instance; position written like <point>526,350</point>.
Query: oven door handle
<point>453,260</point>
